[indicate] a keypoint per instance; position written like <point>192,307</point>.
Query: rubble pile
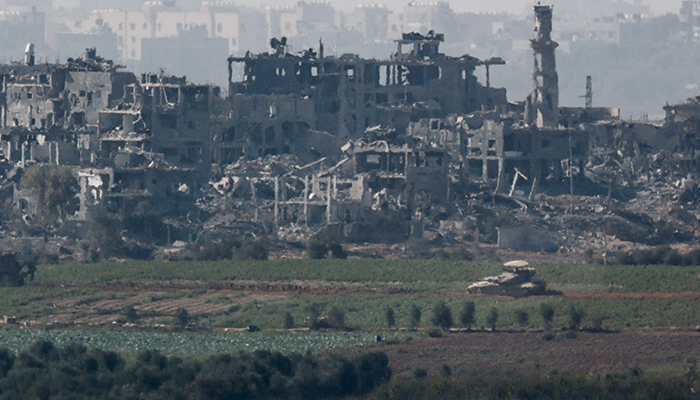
<point>411,152</point>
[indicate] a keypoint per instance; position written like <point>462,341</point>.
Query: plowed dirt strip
<point>289,289</point>
<point>505,352</point>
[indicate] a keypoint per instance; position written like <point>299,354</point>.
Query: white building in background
<point>164,20</point>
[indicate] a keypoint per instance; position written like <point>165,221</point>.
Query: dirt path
<point>344,288</point>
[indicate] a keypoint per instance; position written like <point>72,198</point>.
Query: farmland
<point>649,315</point>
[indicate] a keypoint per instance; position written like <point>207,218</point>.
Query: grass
<point>412,274</point>
<point>422,279</point>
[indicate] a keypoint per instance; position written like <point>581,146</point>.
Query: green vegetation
<point>521,317</point>
<point>413,274</point>
<point>659,255</point>
<point>75,371</point>
<point>414,316</point>
<point>191,343</point>
<point>442,316</point>
<point>466,316</point>
<point>492,318</point>
<point>389,316</point>
<point>53,188</point>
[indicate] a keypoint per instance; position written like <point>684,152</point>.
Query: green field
<point>410,274</point>
<point>190,342</point>
<point>616,296</point>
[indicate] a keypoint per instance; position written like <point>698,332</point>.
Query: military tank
<point>517,281</point>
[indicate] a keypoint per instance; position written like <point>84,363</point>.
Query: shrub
<point>182,317</point>
<point>571,335</point>
<point>547,314</point>
<point>313,321</point>
<point>337,250</point>
<point>336,318</point>
<point>389,315</point>
<point>130,313</point>
<point>252,250</point>
<point>466,315</point>
<point>575,317</point>
<point>435,333</point>
<point>492,318</point>
<point>414,316</point>
<point>222,249</point>
<point>521,317</point>
<point>288,320</point>
<point>548,336</point>
<point>442,316</point>
<point>446,370</point>
<point>316,250</point>
<point>420,373</point>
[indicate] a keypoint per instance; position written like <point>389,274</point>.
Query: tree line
<point>44,371</point>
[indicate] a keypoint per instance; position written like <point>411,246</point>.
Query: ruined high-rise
<point>542,107</point>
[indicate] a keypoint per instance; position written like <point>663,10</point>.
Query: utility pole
<point>589,92</point>
<point>571,174</point>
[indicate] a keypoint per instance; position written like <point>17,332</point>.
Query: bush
<point>575,317</point>
<point>130,314</point>
<point>252,250</point>
<point>182,317</point>
<point>466,315</point>
<point>336,318</point>
<point>288,320</point>
<point>420,373</point>
<point>548,336</point>
<point>435,333</point>
<point>313,321</point>
<point>414,316</point>
<point>571,335</point>
<point>521,317</point>
<point>446,370</point>
<point>337,250</point>
<point>389,315</point>
<point>316,250</point>
<point>492,318</point>
<point>221,249</point>
<point>547,314</point>
<point>442,316</point>
<point>43,371</point>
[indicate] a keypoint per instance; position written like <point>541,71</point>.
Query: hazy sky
<point>659,7</point>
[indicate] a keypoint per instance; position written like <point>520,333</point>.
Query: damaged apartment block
<point>408,147</point>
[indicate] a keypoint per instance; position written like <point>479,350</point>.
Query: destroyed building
<point>412,147</point>
<point>350,94</point>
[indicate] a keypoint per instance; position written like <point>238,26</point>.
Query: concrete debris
<point>411,151</point>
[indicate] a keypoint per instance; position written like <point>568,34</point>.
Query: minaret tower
<point>542,106</point>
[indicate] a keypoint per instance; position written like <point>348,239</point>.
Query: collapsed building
<point>411,147</point>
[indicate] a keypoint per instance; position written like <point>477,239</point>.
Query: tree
<point>316,249</point>
<point>521,317</point>
<point>182,317</point>
<point>547,314</point>
<point>336,318</point>
<point>466,316</point>
<point>492,318</point>
<point>54,189</point>
<point>575,317</point>
<point>442,316</point>
<point>105,232</point>
<point>414,316</point>
<point>288,320</point>
<point>12,271</point>
<point>389,314</point>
